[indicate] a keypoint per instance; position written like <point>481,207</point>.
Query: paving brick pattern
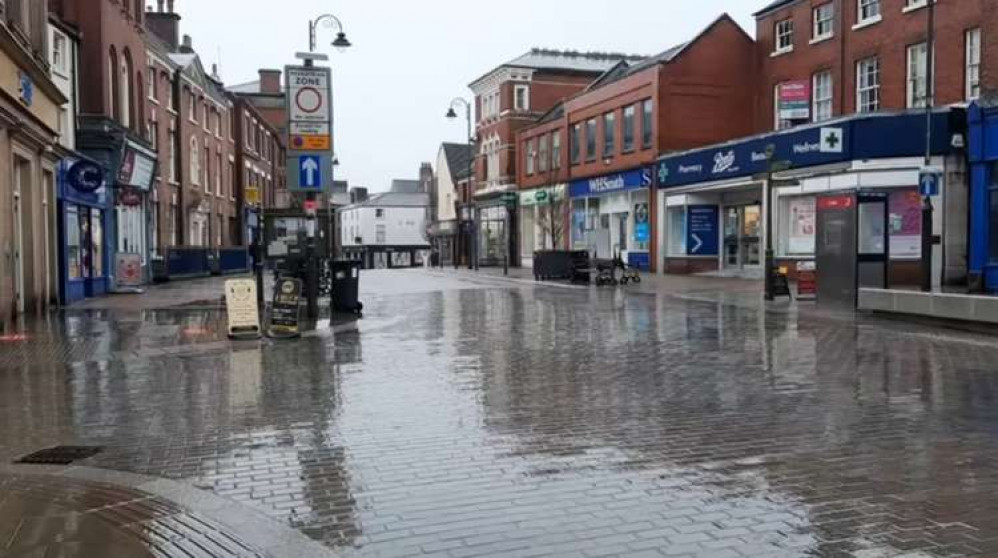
<point>468,417</point>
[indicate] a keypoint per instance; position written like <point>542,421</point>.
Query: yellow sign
<point>242,307</point>
<point>311,143</point>
<point>253,195</point>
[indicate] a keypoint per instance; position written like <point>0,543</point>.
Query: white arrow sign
<point>699,243</point>
<point>311,168</point>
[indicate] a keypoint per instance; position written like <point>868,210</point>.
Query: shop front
<point>495,228</point>
<point>132,231</point>
<point>714,203</point>
<point>83,245</point>
<point>983,198</point>
<point>611,216</point>
<point>543,221</point>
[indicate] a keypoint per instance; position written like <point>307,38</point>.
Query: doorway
<point>742,236</point>
<point>18,249</point>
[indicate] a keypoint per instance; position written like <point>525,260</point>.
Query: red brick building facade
<point>867,55</point>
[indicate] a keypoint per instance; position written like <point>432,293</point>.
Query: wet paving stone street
<point>469,416</point>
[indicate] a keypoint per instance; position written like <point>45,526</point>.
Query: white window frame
<point>822,107</point>
<point>863,87</point>
<point>818,21</point>
<point>60,53</point>
<point>531,156</point>
<point>195,162</point>
<point>172,138</point>
<point>783,32</point>
<point>873,15</point>
<point>778,122</point>
<point>556,150</point>
<point>972,64</point>
<point>917,93</point>
<point>912,5</point>
<point>525,104</point>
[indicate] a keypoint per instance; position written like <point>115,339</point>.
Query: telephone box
<point>852,250</point>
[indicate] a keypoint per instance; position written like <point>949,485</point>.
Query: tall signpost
<point>929,177</point>
<point>310,152</point>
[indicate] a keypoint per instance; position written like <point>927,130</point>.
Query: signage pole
<point>258,259</point>
<point>927,209</point>
<point>769,264</point>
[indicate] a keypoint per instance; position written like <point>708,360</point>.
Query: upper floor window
<point>204,113</point>
<point>556,150</point>
<point>647,124</point>
<point>973,64</point>
<point>784,36</point>
<point>195,161</point>
<point>543,154</point>
<point>521,95</point>
<point>868,85</point>
<point>781,121</point>
<point>60,52</point>
<point>824,21</point>
<point>914,4</point>
<point>192,107</point>
<point>609,135</point>
<point>152,84</point>
<point>379,213</point>
<point>868,11</point>
<point>575,144</point>
<point>821,95</point>
<point>628,143</point>
<point>591,139</point>
<point>531,156</point>
<point>918,85</point>
<point>165,77</point>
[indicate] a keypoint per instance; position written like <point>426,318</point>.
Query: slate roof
<point>249,88</point>
<point>548,59</point>
<point>773,6</point>
<point>458,158</point>
<point>405,186</point>
<point>394,199</point>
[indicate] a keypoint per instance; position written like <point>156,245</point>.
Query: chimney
<point>188,45</point>
<point>270,81</point>
<point>165,25</point>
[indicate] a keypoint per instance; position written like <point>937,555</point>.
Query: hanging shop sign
<point>285,313</point>
<point>85,176</point>
<point>702,230</point>
<point>795,100</point>
<point>550,194</point>
<point>137,169</point>
<point>611,183</point>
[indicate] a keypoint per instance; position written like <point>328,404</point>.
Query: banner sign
<point>611,183</point>
<point>285,313</point>
<point>702,235</point>
<point>795,100</point>
<point>242,308</point>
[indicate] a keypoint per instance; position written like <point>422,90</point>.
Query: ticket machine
<point>852,250</point>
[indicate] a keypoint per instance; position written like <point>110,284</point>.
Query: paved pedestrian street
<point>468,415</point>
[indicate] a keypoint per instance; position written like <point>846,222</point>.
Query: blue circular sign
<point>85,176</point>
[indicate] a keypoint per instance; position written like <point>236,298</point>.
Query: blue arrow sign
<point>928,184</point>
<point>310,172</point>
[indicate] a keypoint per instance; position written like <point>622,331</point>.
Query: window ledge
<point>153,100</point>
<point>822,39</point>
<point>777,53</point>
<point>867,23</point>
<point>909,9</point>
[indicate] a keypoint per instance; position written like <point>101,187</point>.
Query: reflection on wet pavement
<point>465,417</point>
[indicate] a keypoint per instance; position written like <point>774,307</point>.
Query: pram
<point>606,272</point>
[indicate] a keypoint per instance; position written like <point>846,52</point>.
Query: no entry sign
<point>308,95</point>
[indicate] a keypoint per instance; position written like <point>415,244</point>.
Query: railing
<point>195,261</point>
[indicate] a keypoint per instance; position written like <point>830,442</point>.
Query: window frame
<point>591,140</point>
<point>575,144</point>
<point>531,156</point>
<point>629,115</point>
<point>971,67</point>
<point>817,102</point>
<point>783,30</point>
<point>609,134</point>
<point>555,150</point>
<point>912,89</point>
<point>60,66</point>
<point>194,165</point>
<point>873,89</point>
<point>869,6</point>
<point>647,124</point>
<point>543,153</point>
<point>816,22</point>
<point>525,90</point>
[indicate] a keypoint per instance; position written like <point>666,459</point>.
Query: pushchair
<point>628,274</point>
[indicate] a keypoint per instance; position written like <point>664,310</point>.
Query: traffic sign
<point>311,143</point>
<point>310,171</point>
<point>310,111</point>
<point>928,181</point>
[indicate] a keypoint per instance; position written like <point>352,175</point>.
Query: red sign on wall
<point>835,202</point>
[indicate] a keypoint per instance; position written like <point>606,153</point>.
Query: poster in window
<point>642,228</point>
<point>802,225</point>
<point>905,224</point>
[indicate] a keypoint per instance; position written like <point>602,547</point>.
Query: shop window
<point>905,224</point>
<point>797,226</point>
<point>74,255</point>
<point>97,242</point>
<point>578,223</point>
<point>993,220</point>
<point>677,231</point>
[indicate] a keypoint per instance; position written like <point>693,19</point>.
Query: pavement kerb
<point>251,526</point>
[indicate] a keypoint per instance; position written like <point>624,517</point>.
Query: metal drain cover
<point>60,455</point>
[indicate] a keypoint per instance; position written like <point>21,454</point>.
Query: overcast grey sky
<point>411,57</point>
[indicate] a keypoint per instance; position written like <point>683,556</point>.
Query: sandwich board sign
<point>285,312</point>
<point>242,308</point>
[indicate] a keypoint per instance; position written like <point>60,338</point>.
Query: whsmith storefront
<point>712,202</point>
<point>611,215</point>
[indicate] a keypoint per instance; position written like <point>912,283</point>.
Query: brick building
<point>111,124</point>
<point>854,56</point>
<point>266,96</point>
<point>507,99</point>
<point>593,155</point>
<point>259,157</point>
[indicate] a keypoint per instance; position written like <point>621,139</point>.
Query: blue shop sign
<point>864,137</point>
<point>611,183</point>
<point>85,176</point>
<point>702,230</point>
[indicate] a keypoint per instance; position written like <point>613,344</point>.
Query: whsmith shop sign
<point>611,183</point>
<point>866,137</point>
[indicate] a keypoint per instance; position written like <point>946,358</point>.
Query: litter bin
<point>345,284</point>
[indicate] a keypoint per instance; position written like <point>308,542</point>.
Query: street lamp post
<point>341,43</point>
<point>452,114</point>
<point>769,269</point>
<point>927,210</point>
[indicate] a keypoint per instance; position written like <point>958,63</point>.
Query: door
<point>835,249</point>
<point>742,237</point>
<point>18,248</point>
<point>873,245</point>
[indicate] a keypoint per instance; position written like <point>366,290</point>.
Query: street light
<point>769,269</point>
<point>451,115</point>
<point>329,20</point>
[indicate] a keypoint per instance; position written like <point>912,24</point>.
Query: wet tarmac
<point>469,416</point>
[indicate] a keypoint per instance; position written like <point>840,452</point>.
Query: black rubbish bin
<point>345,283</point>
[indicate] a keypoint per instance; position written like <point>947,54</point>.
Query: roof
<point>251,88</point>
<point>394,199</point>
<point>458,160</point>
<point>405,186</point>
<point>567,61</point>
<point>773,6</point>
